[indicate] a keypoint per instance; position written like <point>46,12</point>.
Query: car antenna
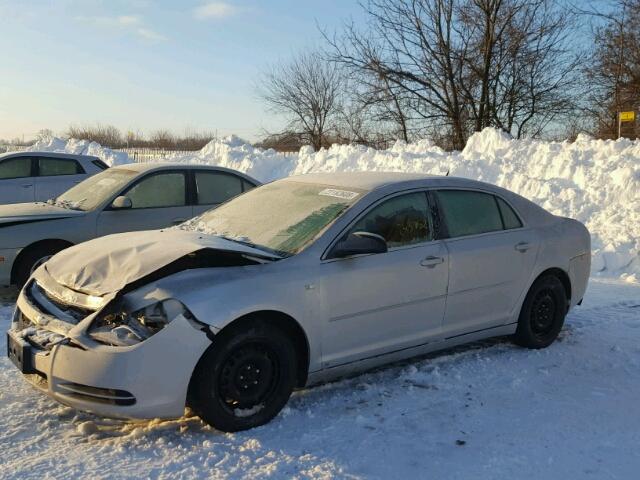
<point>446,174</point>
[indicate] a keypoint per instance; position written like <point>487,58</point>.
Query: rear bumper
<point>7,257</point>
<point>579,269</point>
<point>147,380</point>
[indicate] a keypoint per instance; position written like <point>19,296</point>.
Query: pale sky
<point>144,65</point>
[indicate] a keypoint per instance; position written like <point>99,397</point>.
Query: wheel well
<point>562,276</point>
<point>52,242</point>
<point>291,327</point>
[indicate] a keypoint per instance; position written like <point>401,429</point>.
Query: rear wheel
<point>542,314</point>
<point>245,378</point>
<point>31,259</point>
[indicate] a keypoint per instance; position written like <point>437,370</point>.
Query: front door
<point>381,303</point>
<point>158,200</point>
<point>17,184</point>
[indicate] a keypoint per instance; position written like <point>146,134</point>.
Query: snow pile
<point>81,147</point>
<point>594,181</point>
<point>233,152</point>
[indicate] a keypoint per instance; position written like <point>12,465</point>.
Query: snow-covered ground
<point>594,181</point>
<point>486,411</point>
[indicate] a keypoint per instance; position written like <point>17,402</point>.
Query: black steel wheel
<point>32,258</point>
<point>542,314</point>
<point>248,377</point>
<point>245,377</point>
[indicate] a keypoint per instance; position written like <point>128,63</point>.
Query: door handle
<point>177,221</point>
<point>522,247</point>
<point>27,185</point>
<point>431,261</point>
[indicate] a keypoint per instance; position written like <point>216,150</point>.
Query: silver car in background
<point>39,176</point>
<point>121,199</point>
<point>296,282</point>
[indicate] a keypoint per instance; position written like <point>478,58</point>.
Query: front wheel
<point>245,377</point>
<point>542,314</point>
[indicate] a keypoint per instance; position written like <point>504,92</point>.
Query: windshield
<point>95,190</point>
<point>281,217</point>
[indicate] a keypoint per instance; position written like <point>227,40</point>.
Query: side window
<point>469,213</point>
<point>19,167</point>
<point>49,167</point>
<point>509,217</point>
<point>246,186</point>
<point>100,164</point>
<point>159,190</point>
<point>216,187</point>
<point>401,220</point>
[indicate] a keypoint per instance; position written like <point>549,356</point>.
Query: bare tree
<point>462,65</point>
<point>307,91</point>
<point>614,68</point>
<point>106,135</point>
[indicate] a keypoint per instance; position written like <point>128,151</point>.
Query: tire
<point>542,314</point>
<point>33,258</point>
<point>244,378</point>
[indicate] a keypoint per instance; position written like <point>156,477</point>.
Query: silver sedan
<point>297,282</point>
<point>127,198</point>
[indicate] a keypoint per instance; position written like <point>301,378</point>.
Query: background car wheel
<point>244,378</point>
<point>32,259</point>
<point>542,314</point>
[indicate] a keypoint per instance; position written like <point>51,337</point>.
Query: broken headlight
<point>122,328</point>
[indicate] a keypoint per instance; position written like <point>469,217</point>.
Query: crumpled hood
<point>17,213</point>
<point>107,264</point>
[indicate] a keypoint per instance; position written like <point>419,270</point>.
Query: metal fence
<point>4,148</point>
<point>150,154</point>
<point>135,154</point>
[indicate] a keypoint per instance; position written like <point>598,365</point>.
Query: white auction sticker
<point>344,194</point>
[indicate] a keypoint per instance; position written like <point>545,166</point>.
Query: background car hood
<point>107,264</point>
<point>17,213</point>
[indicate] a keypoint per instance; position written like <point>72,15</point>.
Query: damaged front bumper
<point>147,380</point>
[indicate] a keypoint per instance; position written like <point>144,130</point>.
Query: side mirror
<point>121,203</point>
<point>359,243</point>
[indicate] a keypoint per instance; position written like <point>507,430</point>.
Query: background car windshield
<point>93,191</point>
<point>282,216</point>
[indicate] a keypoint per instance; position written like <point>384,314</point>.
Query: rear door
<point>159,200</point>
<point>213,188</point>
<point>17,181</point>
<point>491,256</point>
<point>57,175</point>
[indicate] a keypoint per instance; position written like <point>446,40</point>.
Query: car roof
<point>49,154</point>
<point>377,180</point>
<point>390,182</point>
<point>156,166</point>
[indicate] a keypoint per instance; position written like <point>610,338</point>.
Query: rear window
<point>469,213</point>
<point>216,187</point>
<point>100,164</point>
<point>509,217</point>
<point>51,167</point>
